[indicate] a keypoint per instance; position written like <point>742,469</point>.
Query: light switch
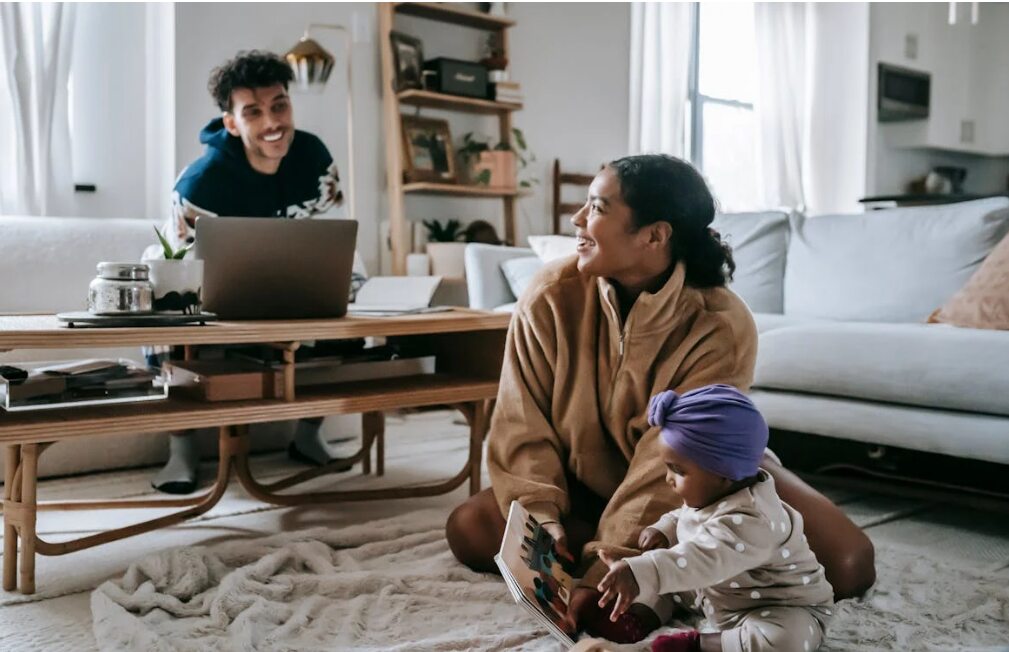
<point>911,46</point>
<point>966,131</point>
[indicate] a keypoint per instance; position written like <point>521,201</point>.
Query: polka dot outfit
<point>745,565</point>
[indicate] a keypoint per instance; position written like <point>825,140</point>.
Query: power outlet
<point>911,46</point>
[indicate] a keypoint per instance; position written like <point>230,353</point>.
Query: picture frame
<point>427,150</point>
<point>408,55</point>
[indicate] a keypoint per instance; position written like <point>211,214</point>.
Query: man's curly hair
<point>251,69</point>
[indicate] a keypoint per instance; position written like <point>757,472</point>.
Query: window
<point>722,134</point>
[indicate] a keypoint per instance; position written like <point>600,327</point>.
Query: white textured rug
<point>394,585</point>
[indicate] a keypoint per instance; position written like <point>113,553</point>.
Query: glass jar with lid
<point>121,289</point>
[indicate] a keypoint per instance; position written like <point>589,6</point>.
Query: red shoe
<point>686,641</point>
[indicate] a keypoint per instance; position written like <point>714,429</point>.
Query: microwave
<point>903,94</point>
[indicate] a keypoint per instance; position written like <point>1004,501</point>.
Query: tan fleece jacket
<point>575,387</point>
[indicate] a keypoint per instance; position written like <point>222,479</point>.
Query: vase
<point>499,166</point>
<point>178,285</point>
<point>447,259</point>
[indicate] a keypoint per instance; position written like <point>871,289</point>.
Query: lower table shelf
<point>179,413</point>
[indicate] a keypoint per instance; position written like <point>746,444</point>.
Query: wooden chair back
<point>560,207</point>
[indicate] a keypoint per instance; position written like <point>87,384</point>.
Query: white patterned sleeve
<point>726,546</point>
<point>667,525</point>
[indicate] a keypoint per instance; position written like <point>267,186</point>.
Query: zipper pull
<point>621,347</point>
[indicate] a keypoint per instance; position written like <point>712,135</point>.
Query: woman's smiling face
<point>608,241</point>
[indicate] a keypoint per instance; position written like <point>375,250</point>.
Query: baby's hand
<point>619,584</point>
<point>652,539</point>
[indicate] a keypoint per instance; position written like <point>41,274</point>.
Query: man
<point>255,164</point>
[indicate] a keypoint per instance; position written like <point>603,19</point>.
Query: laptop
<point>272,268</point>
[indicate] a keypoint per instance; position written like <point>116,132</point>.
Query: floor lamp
<point>312,65</point>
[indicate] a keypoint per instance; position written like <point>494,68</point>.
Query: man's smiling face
<point>264,120</point>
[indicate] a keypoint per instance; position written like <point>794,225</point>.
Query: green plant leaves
<point>171,254</point>
<point>451,231</point>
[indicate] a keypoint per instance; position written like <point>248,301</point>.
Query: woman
<point>643,308</point>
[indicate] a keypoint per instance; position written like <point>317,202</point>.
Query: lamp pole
<point>348,47</point>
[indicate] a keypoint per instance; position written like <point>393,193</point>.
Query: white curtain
<point>35,155</point>
<point>812,104</point>
<point>660,76</point>
<point>780,105</point>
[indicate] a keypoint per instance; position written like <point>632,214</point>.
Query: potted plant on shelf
<point>445,249</point>
<point>496,166</point>
<point>177,280</point>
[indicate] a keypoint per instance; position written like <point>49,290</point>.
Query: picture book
<point>532,570</point>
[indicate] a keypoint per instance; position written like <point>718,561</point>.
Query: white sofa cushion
<point>759,245</point>
<point>51,260</point>
<point>551,247</point>
<point>933,366</point>
<point>519,272</point>
<point>894,265</point>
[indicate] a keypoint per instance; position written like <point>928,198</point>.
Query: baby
<point>733,550</point>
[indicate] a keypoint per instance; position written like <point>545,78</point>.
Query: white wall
<point>573,61</point>
<point>890,168</point>
<point>109,108</point>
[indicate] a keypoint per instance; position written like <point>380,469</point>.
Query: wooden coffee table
<point>468,344</point>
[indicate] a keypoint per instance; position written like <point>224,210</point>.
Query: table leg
<point>12,457</point>
<point>29,485</point>
<point>373,427</point>
<point>478,424</point>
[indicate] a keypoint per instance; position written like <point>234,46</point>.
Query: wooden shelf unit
<point>432,100</point>
<point>459,190</point>
<point>392,106</point>
<point>447,13</point>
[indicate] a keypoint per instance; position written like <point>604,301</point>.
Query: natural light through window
<point>725,130</point>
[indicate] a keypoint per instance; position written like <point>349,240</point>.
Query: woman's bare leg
<point>476,527</point>
<point>845,551</point>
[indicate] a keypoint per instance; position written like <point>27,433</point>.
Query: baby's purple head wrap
<point>717,427</point>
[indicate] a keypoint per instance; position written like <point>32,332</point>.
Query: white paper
<point>395,294</point>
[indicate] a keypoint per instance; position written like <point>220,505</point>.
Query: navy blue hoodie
<point>222,183</point>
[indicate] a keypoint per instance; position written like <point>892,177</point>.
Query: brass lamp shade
<point>311,64</point>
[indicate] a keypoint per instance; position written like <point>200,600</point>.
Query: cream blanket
<point>394,585</point>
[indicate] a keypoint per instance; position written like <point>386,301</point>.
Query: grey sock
<point>309,442</point>
<point>179,474</point>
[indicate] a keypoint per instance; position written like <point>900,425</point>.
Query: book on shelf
<point>532,570</point>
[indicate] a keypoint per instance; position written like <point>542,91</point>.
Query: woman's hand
<point>556,530</point>
<point>619,584</point>
<point>652,539</point>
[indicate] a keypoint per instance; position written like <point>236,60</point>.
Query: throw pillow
<point>984,301</point>
<point>552,247</point>
<point>519,272</point>
<point>893,265</point>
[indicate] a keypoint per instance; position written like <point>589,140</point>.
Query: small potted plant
<point>177,281</point>
<point>497,165</point>
<point>445,249</point>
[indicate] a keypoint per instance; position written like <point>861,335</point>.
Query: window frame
<point>695,98</point>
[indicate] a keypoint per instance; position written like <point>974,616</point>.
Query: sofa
<point>841,303</point>
<point>46,264</point>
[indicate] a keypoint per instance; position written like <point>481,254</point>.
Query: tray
<point>86,319</point>
<point>156,390</point>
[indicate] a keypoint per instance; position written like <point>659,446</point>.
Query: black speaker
<point>456,77</point>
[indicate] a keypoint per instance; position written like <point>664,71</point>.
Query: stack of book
<point>508,91</point>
